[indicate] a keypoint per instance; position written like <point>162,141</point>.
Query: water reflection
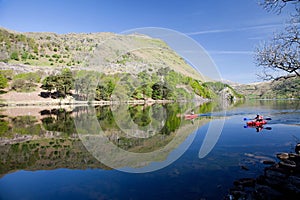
<point>236,154</point>
<point>48,138</point>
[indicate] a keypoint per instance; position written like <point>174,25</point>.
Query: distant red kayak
<point>191,116</point>
<point>255,123</point>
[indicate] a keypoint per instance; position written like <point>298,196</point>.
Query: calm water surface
<point>75,175</point>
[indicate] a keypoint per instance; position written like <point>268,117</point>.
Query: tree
<point>62,82</point>
<point>280,57</point>
<point>49,83</point>
<point>276,5</point>
<point>65,82</point>
<point>3,81</point>
<point>104,91</point>
<point>14,56</point>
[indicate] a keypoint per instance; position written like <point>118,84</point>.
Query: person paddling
<point>258,118</point>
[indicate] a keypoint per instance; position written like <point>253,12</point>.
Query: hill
<point>99,66</point>
<point>107,52</point>
<point>280,89</point>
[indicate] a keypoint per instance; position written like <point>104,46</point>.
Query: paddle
<point>204,115</point>
<point>267,128</point>
<point>253,119</point>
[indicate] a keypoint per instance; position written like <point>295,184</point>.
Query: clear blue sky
<point>228,29</point>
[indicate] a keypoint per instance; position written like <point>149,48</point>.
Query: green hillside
<point>107,52</point>
<point>100,66</point>
<point>280,89</point>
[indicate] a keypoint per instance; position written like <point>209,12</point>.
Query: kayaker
<point>258,118</point>
<point>259,128</point>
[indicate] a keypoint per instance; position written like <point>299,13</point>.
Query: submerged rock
<point>282,156</point>
<point>281,180</point>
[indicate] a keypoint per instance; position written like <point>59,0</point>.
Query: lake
<point>139,152</point>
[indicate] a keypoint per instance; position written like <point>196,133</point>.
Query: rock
<point>297,148</point>
<point>268,162</point>
<point>280,180</point>
<point>238,194</point>
<point>244,168</point>
<point>289,164</point>
<point>274,177</point>
<point>266,192</point>
<point>245,182</point>
<point>295,180</point>
<point>282,156</point>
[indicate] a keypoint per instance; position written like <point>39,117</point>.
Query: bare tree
<point>276,5</point>
<point>280,57</point>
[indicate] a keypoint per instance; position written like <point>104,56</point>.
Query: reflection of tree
<point>61,121</point>
<point>25,125</point>
<point>172,122</point>
<point>4,126</point>
<point>140,115</point>
<point>206,107</point>
<point>105,117</point>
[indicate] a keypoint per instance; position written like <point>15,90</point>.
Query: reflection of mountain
<point>119,150</point>
<point>51,148</point>
<point>46,154</point>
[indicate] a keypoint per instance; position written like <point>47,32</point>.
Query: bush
<point>21,85</point>
<point>33,77</point>
<point>24,55</point>
<point>14,56</point>
<point>3,81</point>
<point>8,73</point>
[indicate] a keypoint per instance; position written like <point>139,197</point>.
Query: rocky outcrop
<point>281,180</point>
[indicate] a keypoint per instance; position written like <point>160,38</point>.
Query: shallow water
<point>188,177</point>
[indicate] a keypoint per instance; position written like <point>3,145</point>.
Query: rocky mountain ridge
<point>106,52</point>
<point>280,89</point>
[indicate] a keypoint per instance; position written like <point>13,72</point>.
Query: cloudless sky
<point>229,30</point>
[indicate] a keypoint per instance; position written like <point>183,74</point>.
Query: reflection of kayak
<point>191,116</point>
<point>255,123</point>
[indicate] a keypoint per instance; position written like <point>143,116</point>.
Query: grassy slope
<point>108,52</point>
<point>287,88</point>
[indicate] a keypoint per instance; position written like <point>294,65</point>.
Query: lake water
<point>63,156</point>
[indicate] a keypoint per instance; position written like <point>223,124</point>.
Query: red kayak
<point>255,123</point>
<point>191,116</point>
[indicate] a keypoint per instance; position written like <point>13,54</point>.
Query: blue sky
<point>229,30</point>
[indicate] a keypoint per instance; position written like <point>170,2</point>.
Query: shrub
<point>24,55</point>
<point>21,85</point>
<point>30,76</point>
<point>9,74</point>
<point>14,56</point>
<point>3,81</point>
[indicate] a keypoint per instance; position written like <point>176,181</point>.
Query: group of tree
<point>162,84</point>
<point>62,83</point>
<point>22,82</point>
<point>280,56</point>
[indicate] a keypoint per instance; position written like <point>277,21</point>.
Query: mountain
<point>280,89</point>
<point>106,52</point>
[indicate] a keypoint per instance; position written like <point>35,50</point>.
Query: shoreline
<point>6,104</point>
